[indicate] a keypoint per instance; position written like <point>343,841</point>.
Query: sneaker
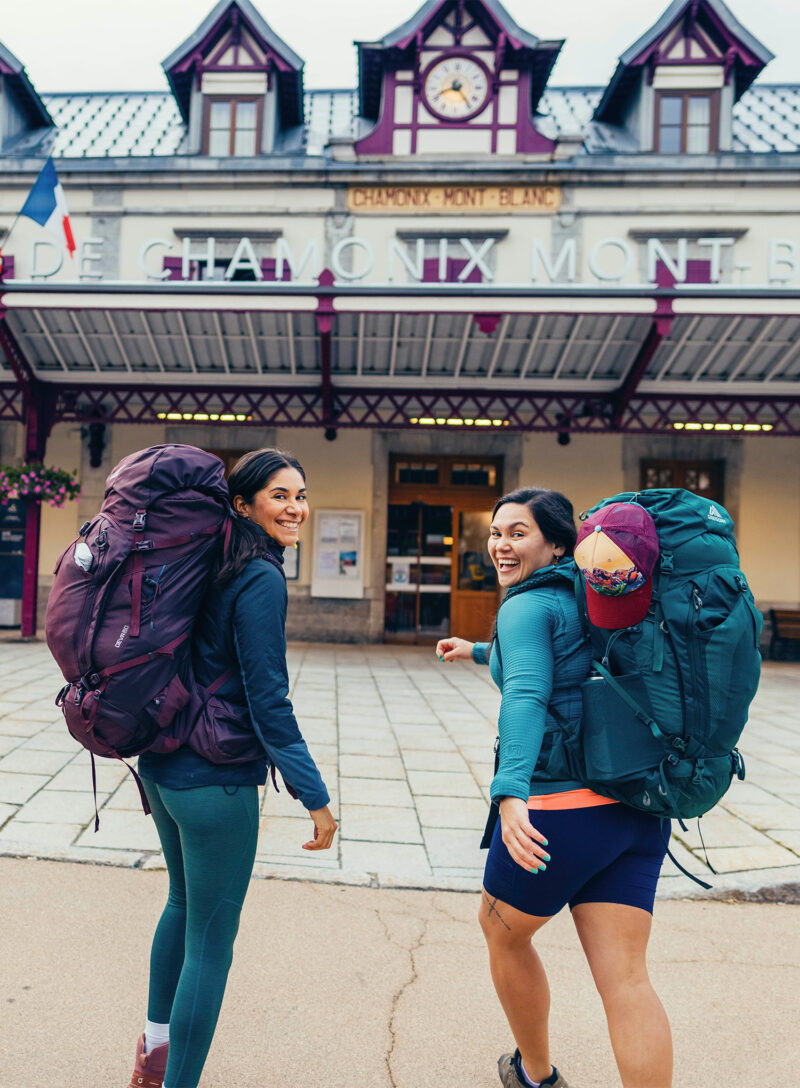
<point>150,1068</point>
<point>511,1076</point>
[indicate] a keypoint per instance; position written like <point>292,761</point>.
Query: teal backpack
<point>667,699</point>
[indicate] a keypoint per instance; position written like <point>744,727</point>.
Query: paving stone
<point>733,859</point>
<point>452,812</point>
<point>125,797</point>
<point>419,759</point>
<point>77,776</point>
<point>392,859</point>
<point>443,784</point>
<point>35,761</point>
<point>788,838</point>
<point>376,823</point>
<point>16,788</point>
<point>451,848</point>
<point>8,744</point>
<point>53,806</point>
<point>370,767</point>
<point>285,834</point>
<point>52,740</point>
<point>375,791</point>
<point>39,835</point>
<point>122,831</point>
<point>764,817</point>
<point>382,745</point>
<point>20,727</point>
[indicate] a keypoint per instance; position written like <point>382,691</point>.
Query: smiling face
<point>280,508</point>
<point>517,546</point>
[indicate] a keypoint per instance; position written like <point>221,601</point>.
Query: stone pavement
<point>404,743</point>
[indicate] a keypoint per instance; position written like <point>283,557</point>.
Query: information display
<point>338,569</point>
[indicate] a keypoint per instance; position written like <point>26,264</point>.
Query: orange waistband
<point>569,799</point>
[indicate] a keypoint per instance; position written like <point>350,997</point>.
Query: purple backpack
<point>125,597</point>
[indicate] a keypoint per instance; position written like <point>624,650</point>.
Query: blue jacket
<point>242,628</point>
<point>544,657</point>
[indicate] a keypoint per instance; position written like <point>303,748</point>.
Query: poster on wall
<point>338,569</point>
<point>291,563</point>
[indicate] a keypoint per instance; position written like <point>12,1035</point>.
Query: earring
<point>556,559</point>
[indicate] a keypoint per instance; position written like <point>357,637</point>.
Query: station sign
<point>453,199</point>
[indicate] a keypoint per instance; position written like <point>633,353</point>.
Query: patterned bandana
<point>614,583</point>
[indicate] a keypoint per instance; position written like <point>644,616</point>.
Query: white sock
<point>155,1035</point>
<point>531,1083</point>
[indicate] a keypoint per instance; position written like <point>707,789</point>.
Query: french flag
<point>47,206</point>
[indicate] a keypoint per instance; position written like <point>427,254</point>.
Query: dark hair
<point>251,474</point>
<point>551,511</point>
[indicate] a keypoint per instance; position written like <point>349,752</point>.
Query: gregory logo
<point>714,515</point>
<point>122,635</point>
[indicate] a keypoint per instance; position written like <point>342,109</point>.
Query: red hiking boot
<point>150,1068</point>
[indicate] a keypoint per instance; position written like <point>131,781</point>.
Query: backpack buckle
<point>145,545</point>
<point>139,520</point>
<point>679,743</point>
<point>666,563</point>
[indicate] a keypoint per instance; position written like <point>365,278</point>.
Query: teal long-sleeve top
<point>545,657</point>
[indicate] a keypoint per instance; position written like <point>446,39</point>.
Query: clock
<point>456,87</point>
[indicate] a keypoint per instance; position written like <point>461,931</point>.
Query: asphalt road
<point>350,987</point>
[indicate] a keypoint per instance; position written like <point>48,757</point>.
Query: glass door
<point>419,560</point>
<point>475,596</point>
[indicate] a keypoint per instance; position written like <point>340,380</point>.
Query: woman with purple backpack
<point>206,813</point>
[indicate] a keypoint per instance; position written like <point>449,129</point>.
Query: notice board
<point>338,569</point>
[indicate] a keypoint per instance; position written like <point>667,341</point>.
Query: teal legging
<point>209,836</point>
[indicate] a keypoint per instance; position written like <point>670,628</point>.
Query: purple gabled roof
<point>26,93</point>
<point>179,65</point>
<point>372,56</point>
<point>748,54</point>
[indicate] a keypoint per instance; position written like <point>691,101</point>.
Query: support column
<point>325,315</point>
<point>39,403</point>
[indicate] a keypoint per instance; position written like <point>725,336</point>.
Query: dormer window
<point>238,86</point>
<point>232,126</point>
<point>687,122</point>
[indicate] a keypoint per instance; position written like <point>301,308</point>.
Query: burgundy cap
<point>617,551</point>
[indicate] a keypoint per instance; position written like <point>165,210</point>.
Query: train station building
<point>449,281</point>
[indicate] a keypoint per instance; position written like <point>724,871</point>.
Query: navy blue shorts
<point>601,854</point>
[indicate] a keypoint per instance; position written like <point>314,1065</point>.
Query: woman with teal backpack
<point>557,843</point>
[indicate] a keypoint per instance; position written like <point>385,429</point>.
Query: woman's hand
<point>324,829</point>
<point>454,649</point>
<point>520,836</point>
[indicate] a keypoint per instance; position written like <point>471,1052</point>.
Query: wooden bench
<point>785,627</point>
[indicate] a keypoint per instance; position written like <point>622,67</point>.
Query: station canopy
<point>574,359</point>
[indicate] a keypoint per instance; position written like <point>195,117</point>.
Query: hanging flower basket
<point>37,481</point>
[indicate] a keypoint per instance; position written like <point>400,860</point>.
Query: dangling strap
<point>94,793</point>
<point>703,844</point>
<point>139,786</point>
<point>685,872</point>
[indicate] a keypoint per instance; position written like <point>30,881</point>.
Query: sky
<point>108,45</point>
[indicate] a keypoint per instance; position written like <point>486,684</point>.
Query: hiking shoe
<point>511,1076</point>
<point>150,1068</point>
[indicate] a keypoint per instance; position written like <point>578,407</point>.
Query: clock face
<point>456,88</point>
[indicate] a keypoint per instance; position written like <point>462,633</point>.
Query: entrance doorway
<point>439,578</point>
